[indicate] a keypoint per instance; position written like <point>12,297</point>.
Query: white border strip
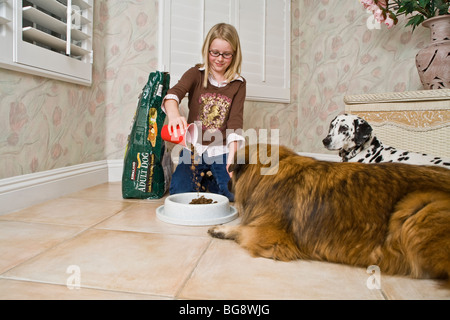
<point>321,156</point>
<point>23,191</point>
<point>20,192</point>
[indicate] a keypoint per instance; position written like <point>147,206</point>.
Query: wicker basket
<point>416,121</point>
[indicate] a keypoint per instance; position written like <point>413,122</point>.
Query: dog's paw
<point>217,232</point>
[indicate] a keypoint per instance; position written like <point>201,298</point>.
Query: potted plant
<point>432,61</point>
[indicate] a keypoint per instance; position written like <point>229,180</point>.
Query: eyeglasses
<point>225,55</point>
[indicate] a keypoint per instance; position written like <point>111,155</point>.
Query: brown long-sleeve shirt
<point>218,108</point>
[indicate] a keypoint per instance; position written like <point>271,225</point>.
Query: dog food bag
<point>147,166</point>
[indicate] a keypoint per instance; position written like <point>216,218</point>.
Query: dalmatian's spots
<point>354,139</point>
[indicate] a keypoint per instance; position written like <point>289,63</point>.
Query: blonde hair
<point>228,33</point>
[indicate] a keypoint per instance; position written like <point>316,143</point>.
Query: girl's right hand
<point>174,117</point>
<point>179,121</point>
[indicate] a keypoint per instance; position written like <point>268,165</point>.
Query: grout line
<point>99,289</point>
<point>183,284</point>
<point>74,236</point>
<point>80,230</point>
<point>385,296</point>
<point>86,227</point>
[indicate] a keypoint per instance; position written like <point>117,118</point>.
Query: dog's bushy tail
<point>419,239</point>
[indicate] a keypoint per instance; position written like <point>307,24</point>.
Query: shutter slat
<point>32,34</point>
<point>82,4</point>
<point>48,22</point>
<point>3,20</point>
<point>58,9</point>
<point>51,6</point>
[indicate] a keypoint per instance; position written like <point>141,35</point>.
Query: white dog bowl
<point>177,210</point>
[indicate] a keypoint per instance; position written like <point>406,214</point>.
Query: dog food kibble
<point>202,200</point>
<point>197,183</point>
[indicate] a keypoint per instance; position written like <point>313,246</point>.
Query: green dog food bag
<point>147,164</point>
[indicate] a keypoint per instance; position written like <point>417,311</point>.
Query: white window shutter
<point>53,39</point>
<point>220,11</point>
<point>184,40</point>
<point>265,39</point>
<point>264,31</point>
<point>6,31</point>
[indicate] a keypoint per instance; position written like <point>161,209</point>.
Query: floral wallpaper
<point>336,51</point>
<point>47,124</point>
<point>130,41</point>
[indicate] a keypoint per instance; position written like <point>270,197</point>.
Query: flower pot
<point>433,61</point>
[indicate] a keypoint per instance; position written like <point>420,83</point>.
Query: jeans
<point>184,179</point>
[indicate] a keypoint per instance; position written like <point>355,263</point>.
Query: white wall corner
<point>115,168</point>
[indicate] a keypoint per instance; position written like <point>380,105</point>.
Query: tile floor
<point>94,245</point>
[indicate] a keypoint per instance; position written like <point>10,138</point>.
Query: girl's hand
<point>174,117</point>
<point>179,121</point>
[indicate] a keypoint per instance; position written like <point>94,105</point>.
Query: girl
<point>216,102</point>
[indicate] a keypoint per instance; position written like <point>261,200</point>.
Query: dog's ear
<point>237,169</point>
<point>232,167</point>
<point>240,162</point>
<point>363,131</point>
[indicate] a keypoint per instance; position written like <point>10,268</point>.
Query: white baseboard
<point>321,156</point>
<point>19,192</point>
<point>23,191</point>
<point>115,168</point>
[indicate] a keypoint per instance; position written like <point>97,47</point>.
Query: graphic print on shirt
<point>214,109</point>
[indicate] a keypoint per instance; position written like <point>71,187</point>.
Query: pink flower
<point>34,164</point>
<point>18,116</point>
<point>374,7</point>
<point>141,19</point>
<point>57,116</point>
<point>378,14</point>
<point>88,129</point>
<point>382,3</point>
<point>56,151</point>
<point>140,45</point>
<point>389,22</point>
<point>367,3</point>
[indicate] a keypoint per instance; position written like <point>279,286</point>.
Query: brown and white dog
<point>354,138</point>
<point>392,215</point>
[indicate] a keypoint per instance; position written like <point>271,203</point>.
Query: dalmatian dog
<point>353,137</point>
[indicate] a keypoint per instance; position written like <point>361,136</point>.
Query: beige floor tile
<point>25,290</point>
<point>105,191</point>
<point>20,241</point>
<point>120,261</point>
<point>124,252</point>
<point>109,191</point>
<point>227,271</point>
<point>67,211</point>
<point>142,217</point>
<point>403,288</point>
